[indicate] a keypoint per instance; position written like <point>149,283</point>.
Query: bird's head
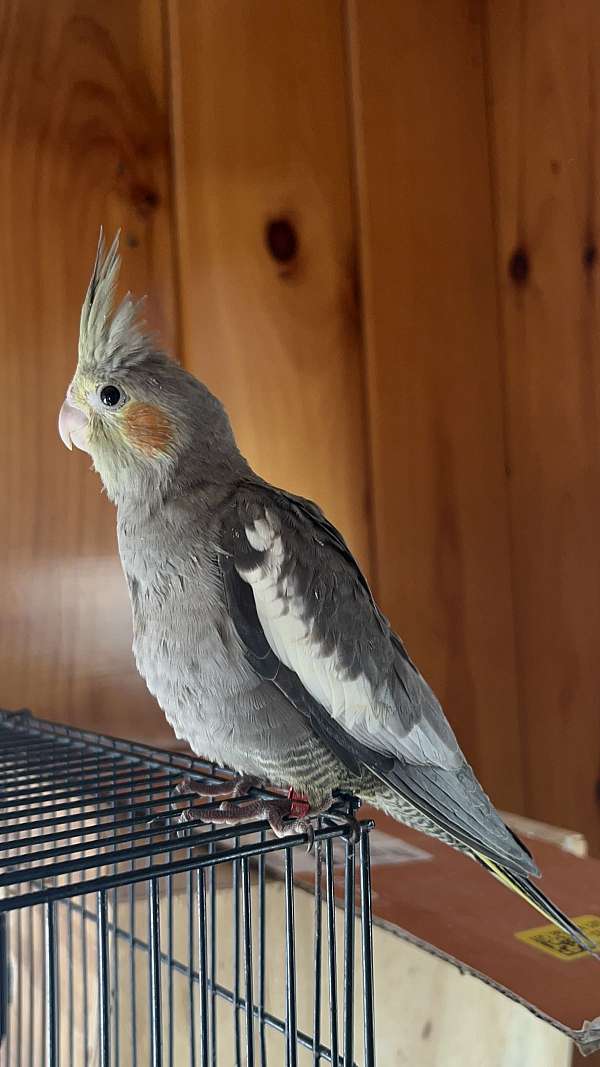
<point>144,420</point>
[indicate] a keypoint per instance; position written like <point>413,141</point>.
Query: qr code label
<point>558,944</point>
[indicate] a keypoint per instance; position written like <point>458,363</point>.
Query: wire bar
<point>332,952</point>
<point>51,988</point>
<point>290,963</point>
<point>190,965</point>
<point>155,996</point>
<point>247,920</point>
<point>349,952</point>
<point>213,958</point>
<point>202,969</point>
<point>318,952</point>
<point>103,980</point>
<point>262,927</point>
<point>366,929</point>
<point>235,897</point>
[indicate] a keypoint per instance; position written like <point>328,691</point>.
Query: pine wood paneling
<point>83,140</point>
<point>434,381</point>
<point>544,92</point>
<point>262,140</point>
<point>307,135</point>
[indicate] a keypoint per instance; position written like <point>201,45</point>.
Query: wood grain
<point>298,127</point>
<point>84,141</point>
<point>434,383</point>
<point>266,240</point>
<point>544,93</point>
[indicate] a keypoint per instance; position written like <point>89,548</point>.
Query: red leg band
<point>299,804</point>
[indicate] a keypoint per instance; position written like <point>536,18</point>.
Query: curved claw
<point>304,826</point>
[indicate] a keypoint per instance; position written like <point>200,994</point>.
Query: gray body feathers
<point>188,651</point>
<point>190,566</point>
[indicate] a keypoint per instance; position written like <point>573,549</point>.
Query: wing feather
<point>309,622</point>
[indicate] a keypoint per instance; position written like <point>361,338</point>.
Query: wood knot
<point>144,199</point>
<point>282,242</point>
<point>518,266</point>
<point>590,255</point>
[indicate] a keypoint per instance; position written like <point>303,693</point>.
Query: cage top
<point>80,811</point>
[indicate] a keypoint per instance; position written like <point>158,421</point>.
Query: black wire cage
<point>132,939</point>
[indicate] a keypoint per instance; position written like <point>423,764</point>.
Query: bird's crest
<point>108,340</point>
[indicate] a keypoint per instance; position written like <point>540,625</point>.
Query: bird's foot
<point>295,807</point>
<point>192,787</point>
<point>229,813</point>
<point>234,787</point>
<point>276,810</point>
<point>304,816</point>
<point>287,816</point>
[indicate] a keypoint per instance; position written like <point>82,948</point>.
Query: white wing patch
<point>370,717</point>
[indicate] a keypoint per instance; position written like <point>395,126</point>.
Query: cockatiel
<point>253,625</point>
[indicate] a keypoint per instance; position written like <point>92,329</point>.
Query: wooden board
<point>434,381</point>
<point>84,141</point>
<point>266,240</point>
<point>544,92</point>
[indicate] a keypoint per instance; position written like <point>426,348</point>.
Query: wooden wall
<point>543,91</point>
<point>371,228</point>
<point>84,139</point>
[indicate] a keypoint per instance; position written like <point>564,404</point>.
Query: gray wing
<point>308,622</point>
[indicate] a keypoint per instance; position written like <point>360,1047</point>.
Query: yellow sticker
<point>558,944</point>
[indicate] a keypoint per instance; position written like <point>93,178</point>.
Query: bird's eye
<point>110,396</point>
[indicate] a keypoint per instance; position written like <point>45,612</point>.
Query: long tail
<point>536,898</point>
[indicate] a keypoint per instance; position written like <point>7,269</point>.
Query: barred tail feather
<point>537,900</point>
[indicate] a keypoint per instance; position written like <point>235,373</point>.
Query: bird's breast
<point>184,644</point>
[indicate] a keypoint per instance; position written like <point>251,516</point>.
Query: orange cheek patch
<point>148,428</point>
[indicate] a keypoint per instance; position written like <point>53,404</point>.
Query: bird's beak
<point>72,426</point>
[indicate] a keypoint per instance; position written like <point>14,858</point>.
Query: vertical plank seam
<point>167,20</point>
<point>357,182</point>
<point>502,369</point>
